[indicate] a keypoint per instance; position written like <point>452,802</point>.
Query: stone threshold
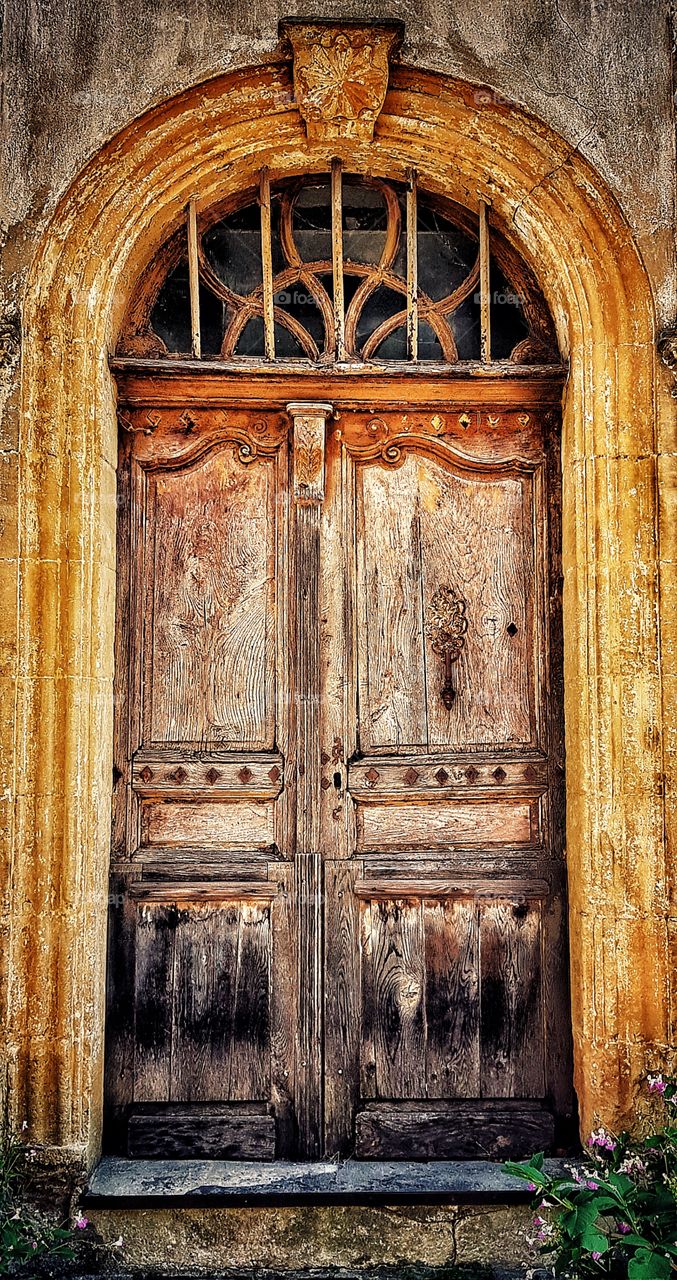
<point>117,1183</point>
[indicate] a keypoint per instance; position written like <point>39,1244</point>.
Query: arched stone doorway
<point>561,219</point>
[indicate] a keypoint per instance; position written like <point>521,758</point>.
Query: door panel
<point>421,528</point>
<point>209,604</point>
<point>338,885</point>
<point>201,1042</point>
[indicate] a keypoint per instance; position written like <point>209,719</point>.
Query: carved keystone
<point>340,75</point>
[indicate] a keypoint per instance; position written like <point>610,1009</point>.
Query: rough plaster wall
<point>598,71</point>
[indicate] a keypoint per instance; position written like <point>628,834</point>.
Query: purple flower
<point>656,1084</point>
<point>592,1186</point>
<point>531,1186</point>
<point>623,1228</point>
<point>596,1255</point>
<point>81,1222</point>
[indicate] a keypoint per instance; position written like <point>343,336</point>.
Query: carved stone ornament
<point>340,76</point>
<point>667,350</point>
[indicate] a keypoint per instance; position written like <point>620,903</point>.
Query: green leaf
<point>649,1266</point>
<point>594,1241</point>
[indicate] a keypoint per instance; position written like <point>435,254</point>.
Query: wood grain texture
<point>209,665</point>
<point>203,1002</point>
<point>391,671</point>
<point>211,824</point>
<point>511,1015</point>
<point>451,933</point>
<point>425,527</point>
<point>196,1132</point>
<point>394,1025</point>
<point>154,979</point>
<point>461,1131</point>
<point>426,825</point>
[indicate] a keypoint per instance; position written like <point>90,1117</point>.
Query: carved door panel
<point>446,973</point>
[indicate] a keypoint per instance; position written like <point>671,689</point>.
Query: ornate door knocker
<point>447,625</point>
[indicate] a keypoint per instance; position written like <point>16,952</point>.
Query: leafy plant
<point>30,1242</point>
<point>616,1213</point>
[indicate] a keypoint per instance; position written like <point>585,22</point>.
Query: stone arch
<point>563,220</point>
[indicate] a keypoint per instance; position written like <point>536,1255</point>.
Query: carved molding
<point>340,76</point>
<point>309,431</point>
<point>666,346</point>
<point>179,435</point>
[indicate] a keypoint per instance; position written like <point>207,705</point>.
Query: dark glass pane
<point>393,347</point>
<point>445,254</point>
<point>465,326</point>
<point>299,302</point>
<point>428,343</point>
<point>379,307</point>
<point>170,317</point>
<point>312,223</point>
<point>365,221</point>
<point>232,248</point>
<point>287,345</point>
<point>251,342</point>
<point>508,326</point>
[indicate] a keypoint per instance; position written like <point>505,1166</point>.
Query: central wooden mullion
<point>308,491</point>
<point>308,863</point>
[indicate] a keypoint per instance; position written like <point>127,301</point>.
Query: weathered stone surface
<point>130,1181</point>
<point>358,1238</point>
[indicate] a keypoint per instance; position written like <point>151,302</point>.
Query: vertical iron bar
<point>337,256</point>
<point>412,266</point>
<point>194,280</point>
<point>267,265</point>
<point>485,284</point>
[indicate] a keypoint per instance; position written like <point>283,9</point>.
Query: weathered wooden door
<point>337,920</point>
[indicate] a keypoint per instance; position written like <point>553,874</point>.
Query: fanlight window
<point>340,269</point>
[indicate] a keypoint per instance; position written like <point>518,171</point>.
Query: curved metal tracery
<point>364,327</point>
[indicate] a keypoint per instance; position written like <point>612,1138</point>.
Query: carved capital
<point>666,346</point>
<point>340,75</point>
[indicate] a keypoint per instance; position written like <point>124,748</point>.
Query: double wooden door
<point>337,884</point>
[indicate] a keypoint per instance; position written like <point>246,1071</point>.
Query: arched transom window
<point>338,268</point>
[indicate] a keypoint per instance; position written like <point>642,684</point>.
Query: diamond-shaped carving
<point>372,777</point>
<point>530,773</point>
<point>442,776</point>
<point>146,774</point>
<point>472,774</point>
<point>213,775</point>
<point>500,774</point>
<point>411,777</point>
<point>274,774</point>
<point>179,775</point>
<point>511,629</point>
<point>325,784</point>
<point>245,774</point>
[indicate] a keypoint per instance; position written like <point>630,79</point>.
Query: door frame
<point>105,229</point>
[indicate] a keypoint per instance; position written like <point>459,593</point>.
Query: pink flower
<point>623,1228</point>
<point>656,1084</point>
<point>596,1255</point>
<point>531,1186</point>
<point>81,1222</point>
<point>592,1186</point>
